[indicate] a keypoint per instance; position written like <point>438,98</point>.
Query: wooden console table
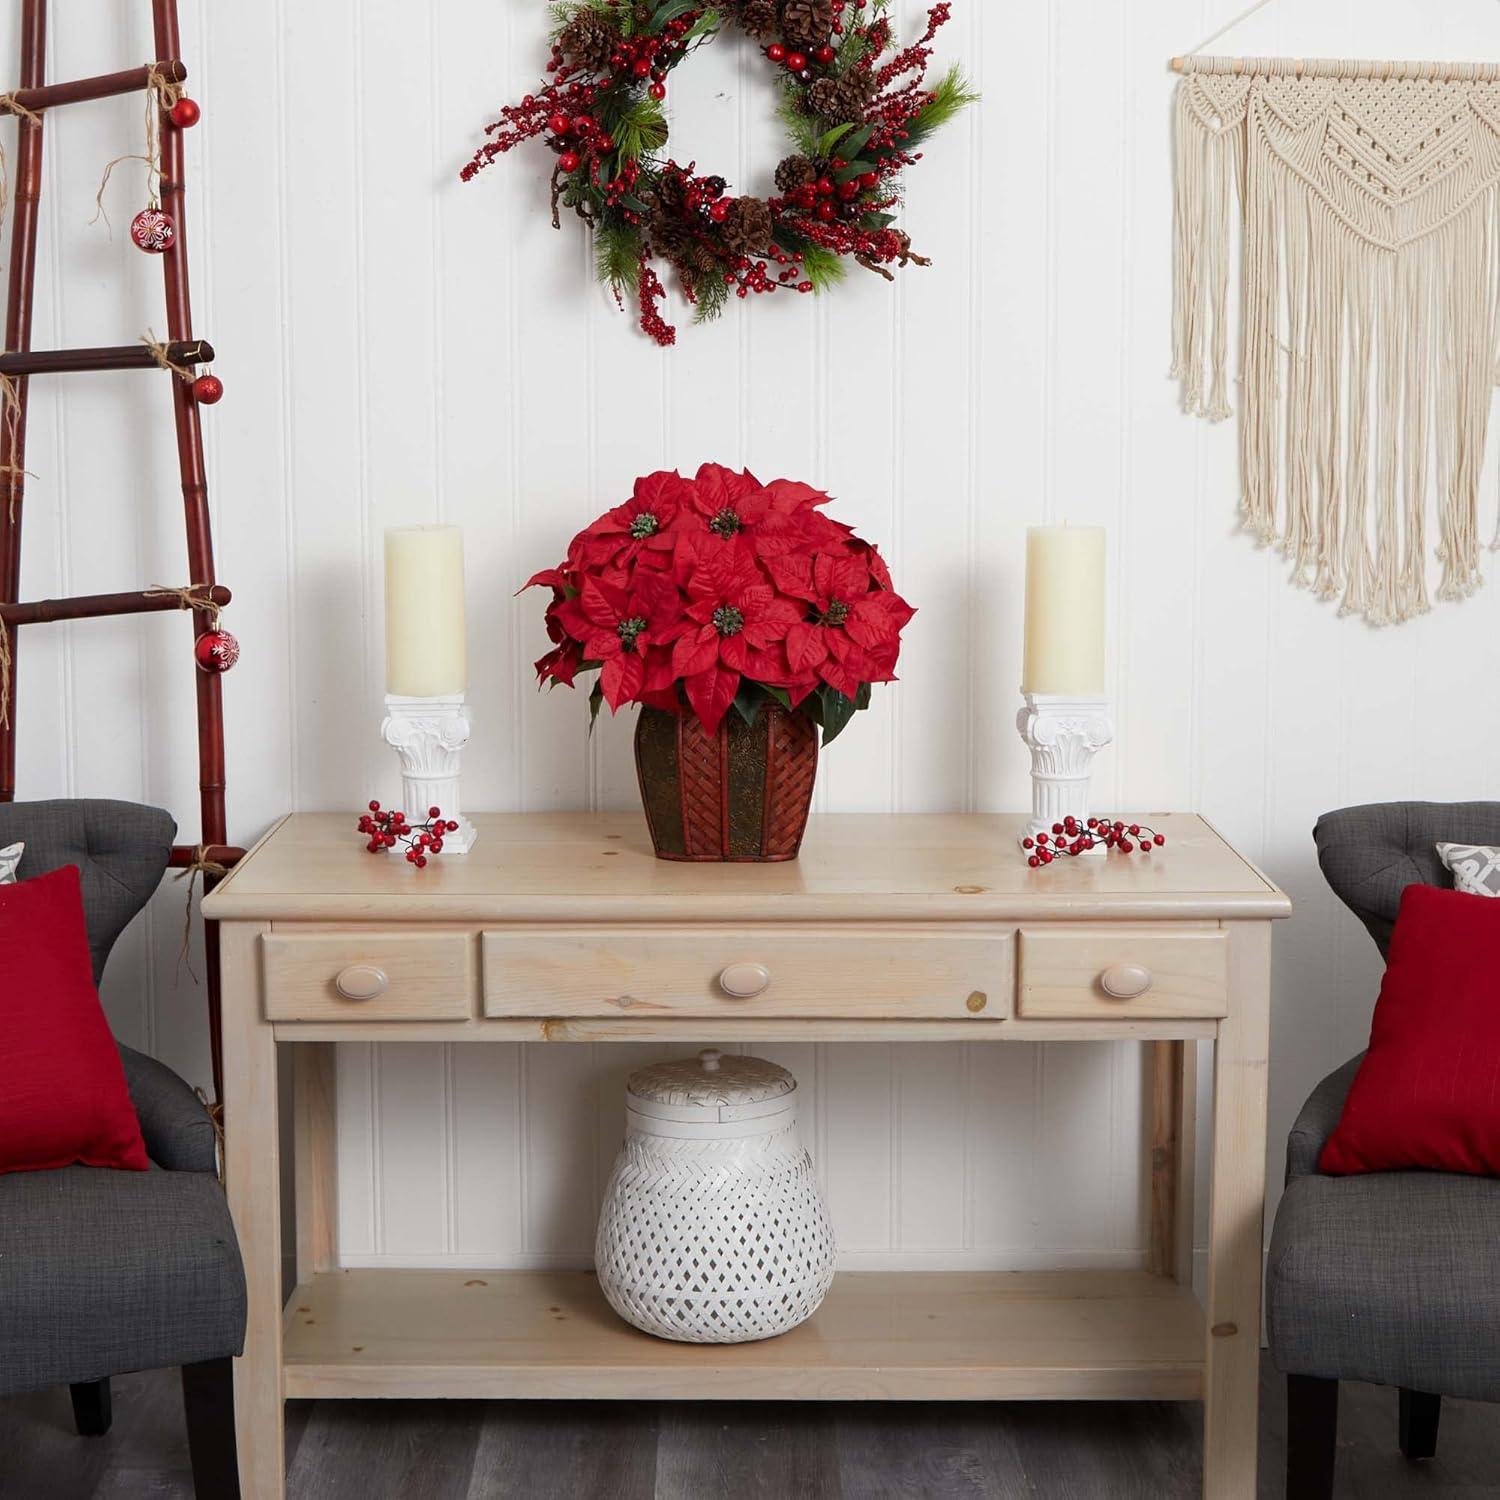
<point>561,927</point>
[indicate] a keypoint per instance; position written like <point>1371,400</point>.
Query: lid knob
<point>709,1059</point>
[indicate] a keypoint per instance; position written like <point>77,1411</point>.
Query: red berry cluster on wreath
<point>388,828</point>
<point>858,111</point>
<point>1073,838</point>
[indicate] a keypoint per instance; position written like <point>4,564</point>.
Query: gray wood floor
<point>470,1450</point>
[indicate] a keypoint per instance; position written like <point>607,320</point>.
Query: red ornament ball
<point>568,161</point>
<point>207,389</point>
<point>719,211</point>
<point>796,61</point>
<point>216,651</point>
<point>185,114</point>
<point>153,231</point>
<point>559,124</point>
<point>824,54</point>
<point>776,52</point>
<point>658,91</point>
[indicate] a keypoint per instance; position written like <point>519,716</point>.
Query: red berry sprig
<point>387,828</point>
<point>1072,838</point>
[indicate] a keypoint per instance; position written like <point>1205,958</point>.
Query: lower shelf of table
<point>905,1336</point>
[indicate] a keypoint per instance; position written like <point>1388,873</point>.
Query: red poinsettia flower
<point>640,530</point>
<point>732,611</point>
<point>852,624</point>
<point>618,627</point>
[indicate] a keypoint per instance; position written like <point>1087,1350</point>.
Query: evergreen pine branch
<point>951,96</point>
<point>641,130</point>
<point>617,255</point>
<point>710,294</point>
<point>804,131</point>
<point>823,267</point>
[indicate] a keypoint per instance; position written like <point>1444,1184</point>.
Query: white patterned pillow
<point>10,857</point>
<point>1475,867</point>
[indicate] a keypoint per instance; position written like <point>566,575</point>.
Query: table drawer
<point>379,976</point>
<point>1130,972</point>
<point>889,974</point>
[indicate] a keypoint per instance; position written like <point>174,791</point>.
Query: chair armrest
<point>178,1132</point>
<point>1317,1120</point>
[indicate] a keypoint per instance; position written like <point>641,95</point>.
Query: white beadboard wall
<point>399,348</point>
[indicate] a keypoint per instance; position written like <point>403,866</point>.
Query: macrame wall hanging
<point>1368,200</point>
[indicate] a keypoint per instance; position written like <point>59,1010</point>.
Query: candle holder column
<point>429,735</point>
<point>1064,734</point>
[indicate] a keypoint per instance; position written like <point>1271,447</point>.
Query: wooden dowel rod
<point>1349,68</point>
<point>104,86</point>
<point>184,855</point>
<point>122,357</point>
<point>96,606</point>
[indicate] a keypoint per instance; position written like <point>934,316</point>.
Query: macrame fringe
<point>1369,336</point>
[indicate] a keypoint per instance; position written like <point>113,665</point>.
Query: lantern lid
<point>712,1086</point>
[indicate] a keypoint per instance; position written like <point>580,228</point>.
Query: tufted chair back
<point>121,850</point>
<point>1369,855</point>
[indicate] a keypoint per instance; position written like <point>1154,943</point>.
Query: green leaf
<point>858,141</point>
<point>668,12</point>
<point>876,221</point>
<point>781,695</point>
<point>837,711</point>
<point>828,141</point>
<point>853,170</point>
<point>749,701</point>
<point>596,699</point>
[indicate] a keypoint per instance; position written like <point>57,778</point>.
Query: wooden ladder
<point>20,362</point>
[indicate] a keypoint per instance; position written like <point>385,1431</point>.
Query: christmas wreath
<point>856,108</point>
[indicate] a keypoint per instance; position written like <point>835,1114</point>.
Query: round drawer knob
<point>745,981</point>
<point>1125,981</point>
<point>361,982</point>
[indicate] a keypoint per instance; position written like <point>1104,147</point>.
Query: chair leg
<point>1312,1430</point>
<point>1419,1423</point>
<point>208,1400</point>
<point>92,1413</point>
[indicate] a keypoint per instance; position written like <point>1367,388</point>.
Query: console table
<point>563,927</point>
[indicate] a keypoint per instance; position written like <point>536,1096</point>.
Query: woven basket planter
<point>713,1230</point>
<point>739,795</point>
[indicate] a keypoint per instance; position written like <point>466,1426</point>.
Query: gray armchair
<point>1391,1277</point>
<point>104,1272</point>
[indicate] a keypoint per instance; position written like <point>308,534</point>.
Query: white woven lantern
<point>713,1230</point>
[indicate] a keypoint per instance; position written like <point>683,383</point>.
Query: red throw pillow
<point>1428,1092</point>
<point>62,1086</point>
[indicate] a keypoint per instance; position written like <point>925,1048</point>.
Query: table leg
<point>1236,1221</point>
<point>314,1095</point>
<point>253,1182</point>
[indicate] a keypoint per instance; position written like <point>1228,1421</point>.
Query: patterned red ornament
<point>216,651</point>
<point>207,389</point>
<point>185,114</point>
<point>153,231</point>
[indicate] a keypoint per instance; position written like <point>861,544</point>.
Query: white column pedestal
<point>429,735</point>
<point>1063,734</point>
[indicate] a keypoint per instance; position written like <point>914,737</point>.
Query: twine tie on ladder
<point>1369,308</point>
<point>10,399</point>
<point>10,105</point>
<point>200,864</point>
<point>160,354</point>
<point>162,92</point>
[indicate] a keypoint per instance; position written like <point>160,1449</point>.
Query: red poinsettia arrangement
<point>717,592</point>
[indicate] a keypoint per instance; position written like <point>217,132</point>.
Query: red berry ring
<point>1070,838</point>
<point>386,829</point>
<point>856,109</point>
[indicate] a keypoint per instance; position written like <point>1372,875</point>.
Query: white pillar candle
<point>1064,611</point>
<point>425,652</point>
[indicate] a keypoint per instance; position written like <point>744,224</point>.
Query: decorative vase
<point>739,795</point>
<point>713,1230</point>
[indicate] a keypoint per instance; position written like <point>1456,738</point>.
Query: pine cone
<point>760,18</point>
<point>671,192</point>
<point>643,14</point>
<point>796,172</point>
<point>747,227</point>
<point>806,23</point>
<point>669,237</point>
<point>840,99</point>
<point>589,40</point>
